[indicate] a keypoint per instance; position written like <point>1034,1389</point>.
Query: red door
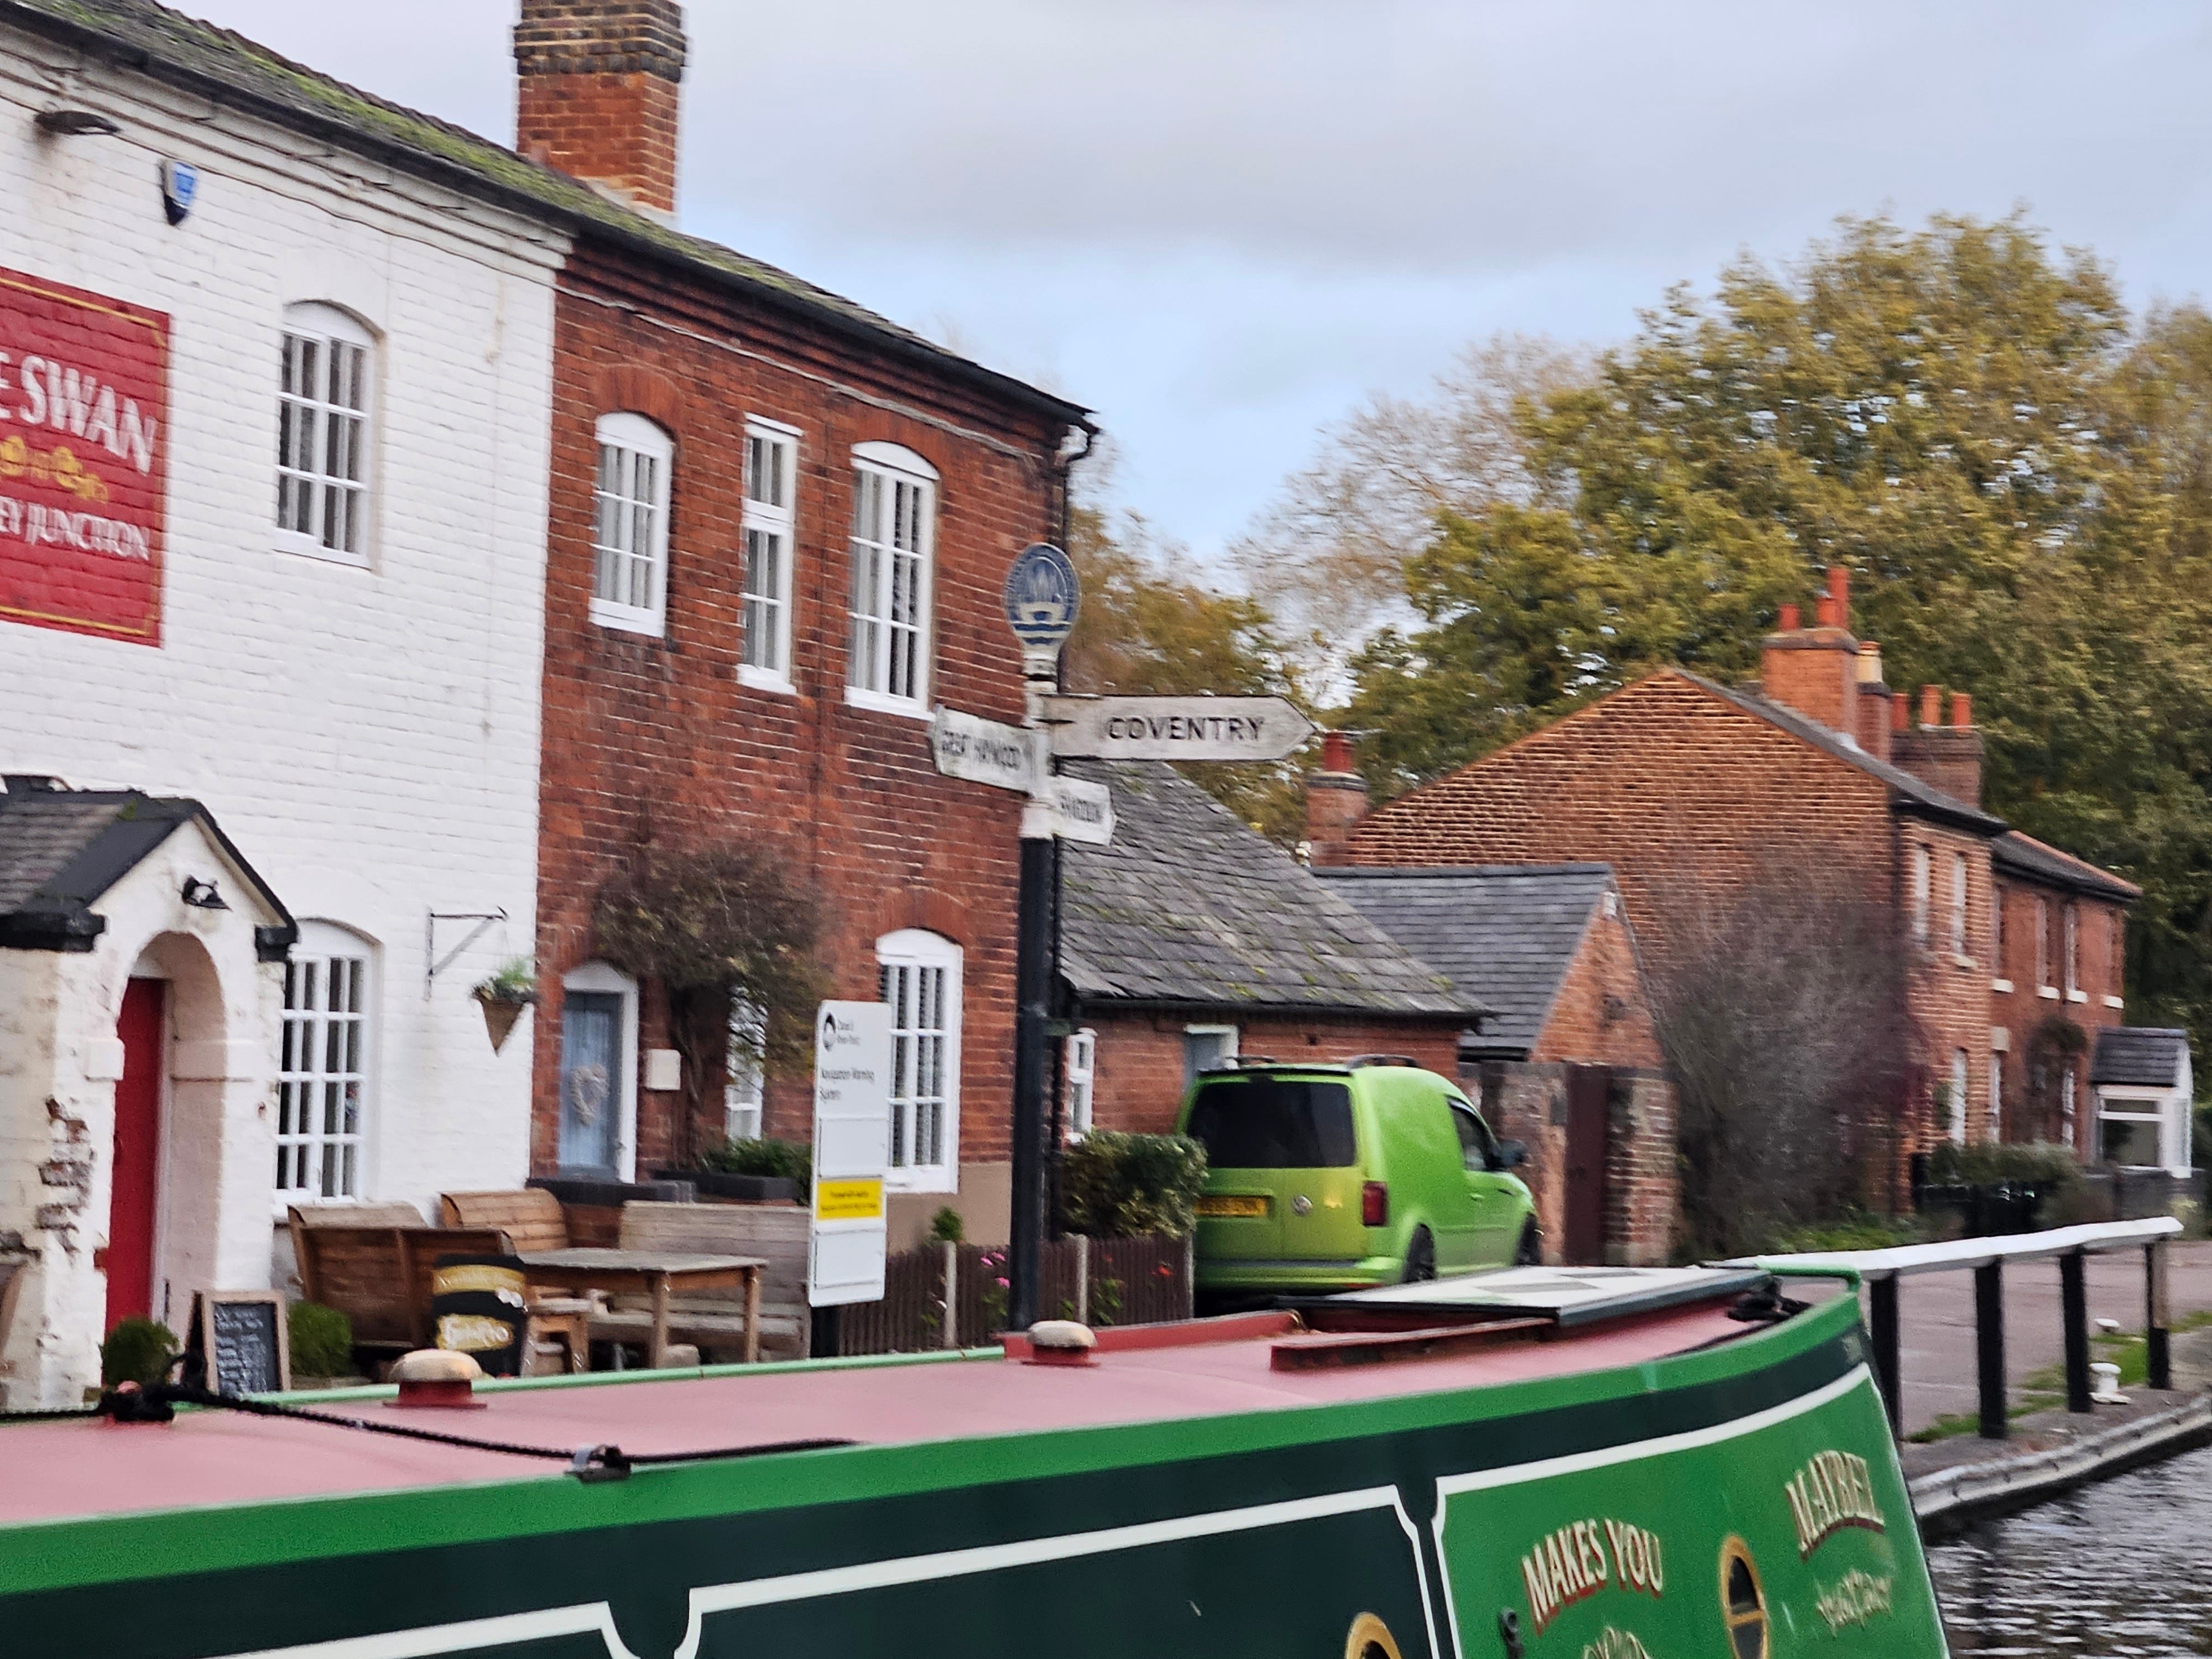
<point>138,1154</point>
<point>1589,1089</point>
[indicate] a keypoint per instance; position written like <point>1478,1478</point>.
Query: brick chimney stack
<point>596,96</point>
<point>1815,671</point>
<point>1336,799</point>
<point>1948,758</point>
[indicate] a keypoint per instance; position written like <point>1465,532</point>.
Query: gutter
<point>470,182</point>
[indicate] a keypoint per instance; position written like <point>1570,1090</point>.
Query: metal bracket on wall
<point>433,964</point>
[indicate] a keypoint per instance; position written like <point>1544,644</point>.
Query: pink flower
<point>1002,1284</point>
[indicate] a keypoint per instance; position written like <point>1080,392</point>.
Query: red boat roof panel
<point>65,1469</point>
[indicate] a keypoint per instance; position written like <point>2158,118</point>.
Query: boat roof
<point>1492,1330</point>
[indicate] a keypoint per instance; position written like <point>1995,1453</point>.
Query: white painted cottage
<point>275,385</point>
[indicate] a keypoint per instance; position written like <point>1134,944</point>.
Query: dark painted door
<point>136,1164</point>
<point>1590,1089</point>
<point>590,1082</point>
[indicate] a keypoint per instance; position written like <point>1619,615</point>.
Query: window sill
<point>625,620</point>
<point>2077,996</point>
<point>2004,986</point>
<point>920,1180</point>
<point>877,703</point>
<point>1960,959</point>
<point>307,547</point>
<point>2116,1002</point>
<point>2048,992</point>
<point>764,679</point>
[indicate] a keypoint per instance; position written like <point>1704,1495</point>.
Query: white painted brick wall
<point>368,738</point>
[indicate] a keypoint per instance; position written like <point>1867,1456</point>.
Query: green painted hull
<point>1604,1513</point>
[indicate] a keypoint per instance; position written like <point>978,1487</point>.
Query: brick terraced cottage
<point>1695,793</point>
<point>1567,1059</point>
<point>275,372</point>
<point>780,529</point>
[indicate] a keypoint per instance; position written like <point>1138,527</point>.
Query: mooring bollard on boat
<point>1061,1342</point>
<point>442,1377</point>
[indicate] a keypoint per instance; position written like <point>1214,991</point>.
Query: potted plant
<point>503,997</point>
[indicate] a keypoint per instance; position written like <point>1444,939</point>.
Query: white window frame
<point>1923,877</point>
<point>875,630</point>
<point>912,951</point>
<point>1080,1071</point>
<point>744,1085</point>
<point>1958,906</point>
<point>1961,1080</point>
<point>305,1034</point>
<point>634,438</point>
<point>601,978</point>
<point>1996,1095</point>
<point>1229,1052</point>
<point>305,419</point>
<point>2071,961</point>
<point>2043,947</point>
<point>767,517</point>
<point>2146,1106</point>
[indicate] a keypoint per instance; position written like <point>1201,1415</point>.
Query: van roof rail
<point>1359,1060</point>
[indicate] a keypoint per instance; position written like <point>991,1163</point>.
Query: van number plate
<point>1233,1204</point>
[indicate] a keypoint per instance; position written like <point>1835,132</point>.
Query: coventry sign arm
<point>1201,728</point>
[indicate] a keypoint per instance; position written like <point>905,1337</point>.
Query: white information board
<point>852,1148</point>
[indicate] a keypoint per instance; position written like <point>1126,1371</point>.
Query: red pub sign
<point>84,391</point>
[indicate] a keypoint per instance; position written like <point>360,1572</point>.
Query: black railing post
<point>1883,1293</point>
<point>2074,1305</point>
<point>1989,1347</point>
<point>2156,1321</point>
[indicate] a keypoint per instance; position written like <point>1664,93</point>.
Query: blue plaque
<point>1041,597</point>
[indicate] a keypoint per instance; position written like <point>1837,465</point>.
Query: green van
<point>1324,1178</point>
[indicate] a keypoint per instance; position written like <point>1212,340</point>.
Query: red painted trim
<point>1313,1353</point>
<point>1181,1334</point>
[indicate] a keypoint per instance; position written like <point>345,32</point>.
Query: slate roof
<point>243,74</point>
<point>1190,907</point>
<point>1504,933</point>
<point>2023,855</point>
<point>62,849</point>
<point>1914,793</point>
<point>2140,1056</point>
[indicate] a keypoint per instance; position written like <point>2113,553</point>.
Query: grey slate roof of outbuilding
<point>2139,1056</point>
<point>1189,908</point>
<point>2023,855</point>
<point>1504,933</point>
<point>230,70</point>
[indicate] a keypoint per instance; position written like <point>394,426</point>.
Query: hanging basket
<point>500,1015</point>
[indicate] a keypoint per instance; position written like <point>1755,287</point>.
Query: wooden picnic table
<point>658,1273</point>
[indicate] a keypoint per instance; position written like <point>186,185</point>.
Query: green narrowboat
<point>1589,1463</point>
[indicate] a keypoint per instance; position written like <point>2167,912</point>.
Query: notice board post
<point>850,1232</point>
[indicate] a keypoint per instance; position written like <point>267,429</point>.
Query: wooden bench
<point>714,1320</point>
<point>380,1276</point>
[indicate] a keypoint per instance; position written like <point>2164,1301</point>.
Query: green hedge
<point>791,1160</point>
<point>1123,1185</point>
<point>2038,1163</point>
<point>136,1351</point>
<point>322,1340</point>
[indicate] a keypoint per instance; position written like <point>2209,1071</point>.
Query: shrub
<point>791,1160</point>
<point>1856,1231</point>
<point>137,1351</point>
<point>2039,1164</point>
<point>322,1340</point>
<point>1124,1186</point>
<point>946,1227</point>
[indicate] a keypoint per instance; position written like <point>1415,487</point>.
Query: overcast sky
<point>1221,223</point>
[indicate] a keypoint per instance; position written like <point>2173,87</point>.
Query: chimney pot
<point>1839,595</point>
<point>1787,622</point>
<point>1931,705</point>
<point>1823,612</point>
<point>1336,752</point>
<point>1869,662</point>
<point>1336,800</point>
<point>1962,709</point>
<point>1901,714</point>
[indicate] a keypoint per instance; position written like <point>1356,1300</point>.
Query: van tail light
<point>1375,1205</point>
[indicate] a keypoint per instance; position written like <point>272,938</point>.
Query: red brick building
<point>1694,792</point>
<point>780,525</point>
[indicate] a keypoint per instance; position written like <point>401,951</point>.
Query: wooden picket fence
<point>1103,1281</point>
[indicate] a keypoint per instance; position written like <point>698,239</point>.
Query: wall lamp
<point>75,123</point>
<point>202,894</point>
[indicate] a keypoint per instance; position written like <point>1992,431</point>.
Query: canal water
<point>2119,1567</point>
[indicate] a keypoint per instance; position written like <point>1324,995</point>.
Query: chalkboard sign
<point>240,1344</point>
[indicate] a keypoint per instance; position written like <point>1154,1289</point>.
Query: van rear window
<point>1273,1123</point>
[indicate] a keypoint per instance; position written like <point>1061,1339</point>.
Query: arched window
<point>629,525</point>
<point>325,391</point>
<point>894,544</point>
<point>919,977</point>
<point>598,1072</point>
<point>323,1065</point>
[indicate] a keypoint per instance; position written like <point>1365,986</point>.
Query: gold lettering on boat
<point>1834,1490</point>
<point>1854,1599</point>
<point>1582,1557</point>
<point>1616,1644</point>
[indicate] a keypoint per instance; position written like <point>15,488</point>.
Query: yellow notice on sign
<point>860,1200</point>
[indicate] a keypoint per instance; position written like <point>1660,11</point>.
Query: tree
<point>2019,480</point>
<point>1146,628</point>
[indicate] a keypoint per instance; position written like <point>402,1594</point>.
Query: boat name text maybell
<point>1616,1644</point>
<point>1854,1599</point>
<point>1582,1557</point>
<point>1833,1491</point>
